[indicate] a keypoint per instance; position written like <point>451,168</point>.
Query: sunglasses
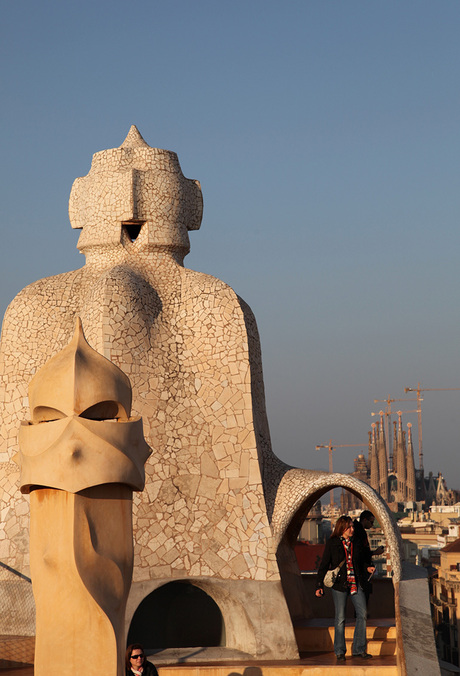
<point>137,657</point>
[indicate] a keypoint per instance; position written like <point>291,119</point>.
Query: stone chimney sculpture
<point>220,512</point>
<point>81,457</point>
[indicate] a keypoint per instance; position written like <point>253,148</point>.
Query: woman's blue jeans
<point>359,637</point>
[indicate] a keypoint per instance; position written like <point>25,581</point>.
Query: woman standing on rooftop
<point>352,580</point>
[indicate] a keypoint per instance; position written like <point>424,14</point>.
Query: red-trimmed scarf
<point>351,579</point>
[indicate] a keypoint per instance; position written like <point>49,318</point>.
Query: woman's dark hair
<point>341,525</point>
<point>129,650</point>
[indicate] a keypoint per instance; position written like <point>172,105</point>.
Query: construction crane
<point>332,447</point>
<point>419,390</point>
<point>389,400</point>
<point>388,412</point>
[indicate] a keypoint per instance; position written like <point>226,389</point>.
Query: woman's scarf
<point>351,579</point>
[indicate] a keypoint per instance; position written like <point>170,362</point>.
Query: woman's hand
<point>371,570</point>
<point>319,593</point>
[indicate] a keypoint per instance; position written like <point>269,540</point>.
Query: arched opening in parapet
<point>312,616</point>
<point>177,615</point>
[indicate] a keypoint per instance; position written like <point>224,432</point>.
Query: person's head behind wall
<point>367,519</point>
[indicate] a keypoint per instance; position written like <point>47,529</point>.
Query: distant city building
<point>311,527</point>
<point>445,587</point>
<point>393,475</point>
<point>348,501</point>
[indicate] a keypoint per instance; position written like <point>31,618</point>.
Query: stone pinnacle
<point>134,139</point>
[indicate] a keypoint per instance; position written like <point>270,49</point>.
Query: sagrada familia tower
<point>394,481</point>
<point>390,470</point>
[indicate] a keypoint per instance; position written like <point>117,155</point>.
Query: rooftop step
<point>317,635</point>
<point>20,649</point>
<point>261,669</point>
<point>225,662</point>
<point>320,665</point>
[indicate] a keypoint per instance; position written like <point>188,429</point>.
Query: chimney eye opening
<point>105,410</point>
<point>132,228</point>
<point>43,414</point>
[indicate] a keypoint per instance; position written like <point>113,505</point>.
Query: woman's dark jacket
<point>334,554</point>
<point>149,670</point>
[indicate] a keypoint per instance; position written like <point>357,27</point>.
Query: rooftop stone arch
<point>298,491</point>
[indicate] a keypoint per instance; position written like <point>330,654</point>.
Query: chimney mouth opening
<point>132,228</point>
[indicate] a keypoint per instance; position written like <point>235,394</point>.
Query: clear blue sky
<point>325,135</point>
